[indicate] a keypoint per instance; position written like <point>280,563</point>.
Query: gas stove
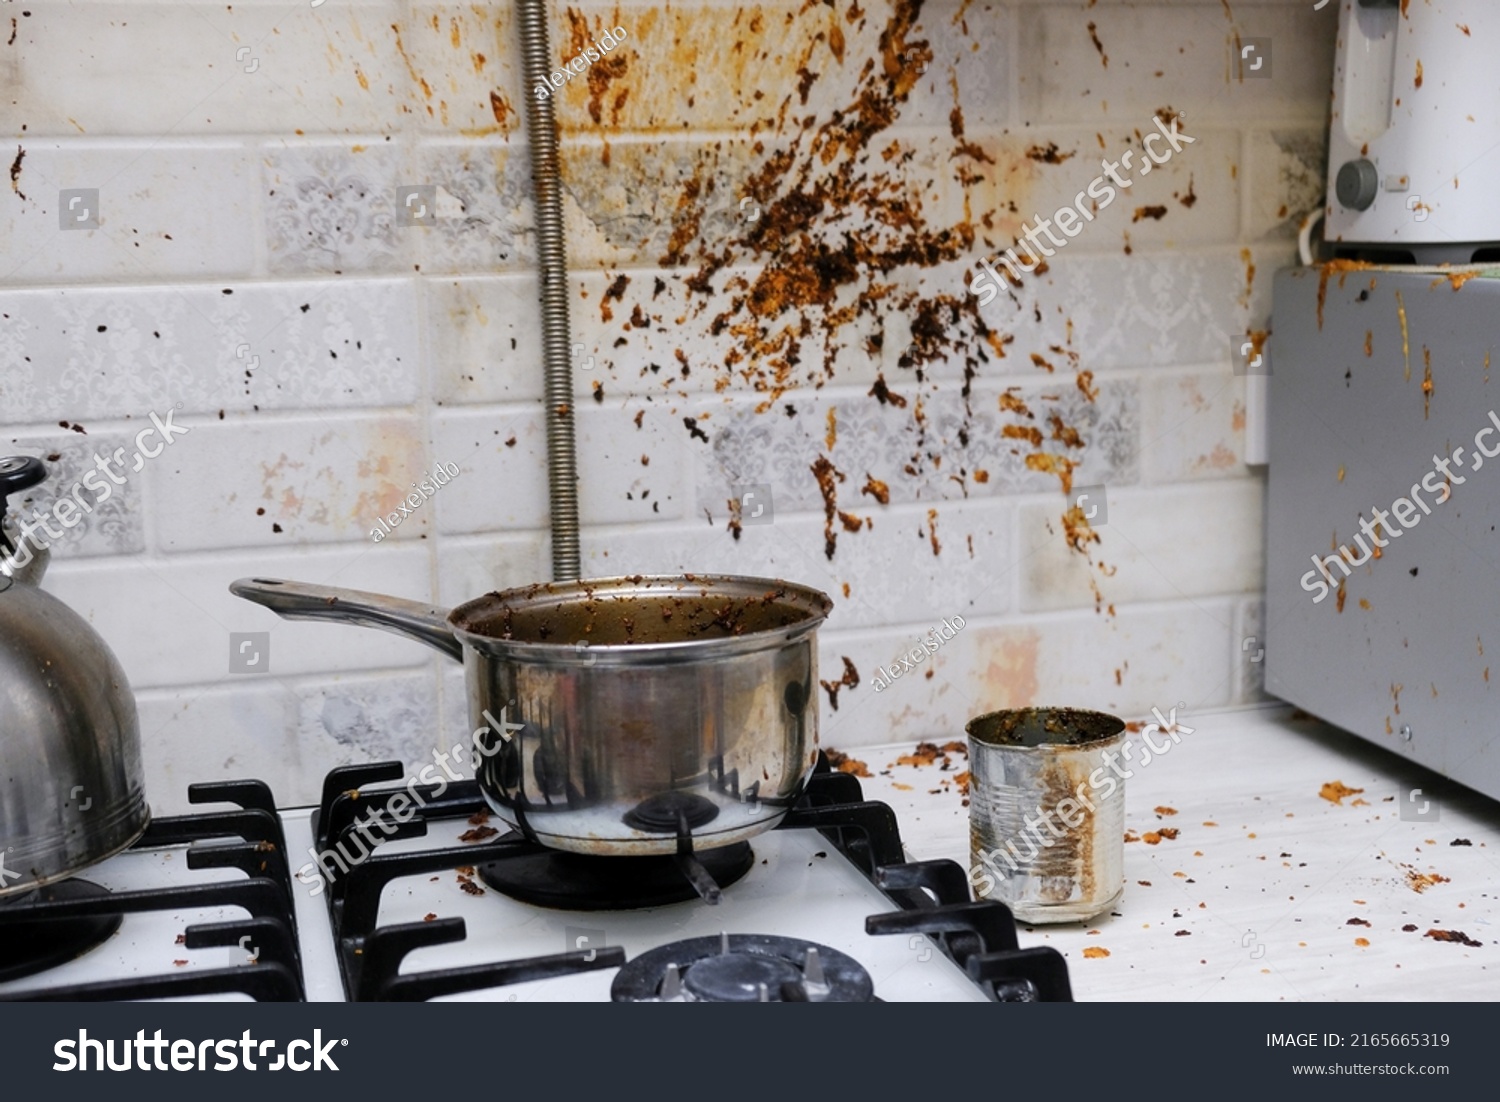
<point>300,904</point>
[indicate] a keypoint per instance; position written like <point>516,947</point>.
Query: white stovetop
<point>1252,900</point>
<point>1257,906</point>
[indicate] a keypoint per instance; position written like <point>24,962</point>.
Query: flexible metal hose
<point>552,272</point>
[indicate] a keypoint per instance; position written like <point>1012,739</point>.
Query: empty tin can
<point>1047,812</point>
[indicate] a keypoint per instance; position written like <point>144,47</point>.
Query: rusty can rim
<point>1060,728</point>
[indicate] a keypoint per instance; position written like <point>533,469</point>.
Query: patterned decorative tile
<point>632,205</point>
<point>941,456</point>
<point>333,208</point>
<point>112,522</point>
<point>1148,309</point>
<point>484,219</point>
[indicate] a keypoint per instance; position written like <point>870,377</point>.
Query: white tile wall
<point>250,272</point>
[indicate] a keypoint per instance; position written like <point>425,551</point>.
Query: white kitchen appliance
<point>1414,135</point>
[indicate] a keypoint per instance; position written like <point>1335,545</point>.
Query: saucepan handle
<point>300,601</point>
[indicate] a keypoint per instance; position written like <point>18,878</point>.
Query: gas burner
<point>670,811</point>
<point>33,947</point>
<point>743,968</point>
<point>585,882</point>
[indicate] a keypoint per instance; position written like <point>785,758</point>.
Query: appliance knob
<point>1357,184</point>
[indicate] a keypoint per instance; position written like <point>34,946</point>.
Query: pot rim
<point>812,603</point>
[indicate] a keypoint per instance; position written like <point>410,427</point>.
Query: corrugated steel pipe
<point>552,272</point>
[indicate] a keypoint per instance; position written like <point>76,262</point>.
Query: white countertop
<point>1253,900</point>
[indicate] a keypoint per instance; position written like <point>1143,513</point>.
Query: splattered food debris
<point>1420,881</point>
<point>15,172</point>
<point>1454,935</point>
<point>843,763</point>
<point>849,680</point>
<point>1095,952</point>
<point>1335,791</point>
<point>930,753</point>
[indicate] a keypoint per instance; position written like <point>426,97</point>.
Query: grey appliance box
<point>1376,374</point>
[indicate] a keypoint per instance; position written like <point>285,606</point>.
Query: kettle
<point>71,786</point>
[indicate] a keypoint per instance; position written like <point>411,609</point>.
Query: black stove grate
<point>265,894</point>
<point>932,897</point>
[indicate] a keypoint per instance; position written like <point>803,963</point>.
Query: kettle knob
<point>18,473</point>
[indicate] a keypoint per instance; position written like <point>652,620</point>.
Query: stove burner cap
<point>27,948</point>
<point>589,882</point>
<point>743,968</point>
<point>739,978</point>
<point>660,814</point>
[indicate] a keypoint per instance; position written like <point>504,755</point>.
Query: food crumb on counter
<point>1335,791</point>
<point>843,763</point>
<point>1454,935</point>
<point>1095,952</point>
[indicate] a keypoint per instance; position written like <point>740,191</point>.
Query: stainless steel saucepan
<point>618,715</point>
